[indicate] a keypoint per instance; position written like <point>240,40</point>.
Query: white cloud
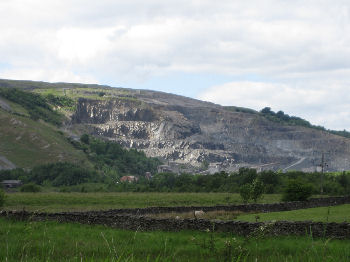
<point>324,103</point>
<point>296,48</point>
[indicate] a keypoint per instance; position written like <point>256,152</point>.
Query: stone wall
<point>142,223</point>
<point>274,207</point>
<point>134,219</point>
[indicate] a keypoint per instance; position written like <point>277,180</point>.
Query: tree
<point>2,197</point>
<point>31,187</point>
<point>85,139</point>
<point>257,190</point>
<point>266,110</point>
<point>296,190</point>
<point>245,192</point>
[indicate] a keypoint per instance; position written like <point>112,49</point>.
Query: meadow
<point>51,241</point>
<point>55,202</point>
<point>337,214</point>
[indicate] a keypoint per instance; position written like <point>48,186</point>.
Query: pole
<point>322,171</point>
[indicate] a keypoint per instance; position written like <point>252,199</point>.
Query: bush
<point>31,187</point>
<point>257,190</point>
<point>297,191</point>
<point>2,197</point>
<point>245,192</point>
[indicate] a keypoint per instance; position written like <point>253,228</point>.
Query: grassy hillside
<point>28,143</point>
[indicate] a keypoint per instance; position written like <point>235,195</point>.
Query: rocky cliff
<point>188,131</point>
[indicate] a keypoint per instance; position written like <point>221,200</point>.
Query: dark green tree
<point>297,190</point>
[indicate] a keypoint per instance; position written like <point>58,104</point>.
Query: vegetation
<point>338,214</point>
<point>56,174</point>
<point>60,174</point>
<point>37,106</point>
<point>269,182</point>
<point>283,118</point>
<point>51,241</point>
<point>105,177</point>
<point>297,191</point>
<point>114,161</point>
<point>245,192</point>
<point>31,187</point>
<point>61,101</point>
<point>28,143</point>
<point>2,197</point>
<point>110,161</point>
<point>56,202</point>
<point>240,109</point>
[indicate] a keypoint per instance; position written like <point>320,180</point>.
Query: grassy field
<point>321,214</point>
<point>332,214</point>
<point>50,241</point>
<point>51,202</point>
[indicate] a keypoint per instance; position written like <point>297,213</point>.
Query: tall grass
<point>50,241</point>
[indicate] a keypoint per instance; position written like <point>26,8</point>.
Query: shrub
<point>245,192</point>
<point>2,197</point>
<point>257,190</point>
<point>85,139</point>
<point>31,187</point>
<point>296,190</point>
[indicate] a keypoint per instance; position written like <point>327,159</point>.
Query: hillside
<point>180,130</point>
<point>25,142</point>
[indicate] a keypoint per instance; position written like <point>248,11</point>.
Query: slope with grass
<point>27,143</point>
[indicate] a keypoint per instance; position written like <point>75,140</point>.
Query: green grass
<point>52,202</point>
<point>27,143</point>
<point>86,92</point>
<point>51,241</point>
<point>332,214</point>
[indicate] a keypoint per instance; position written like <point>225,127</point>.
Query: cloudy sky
<point>289,55</point>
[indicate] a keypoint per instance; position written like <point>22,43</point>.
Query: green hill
<point>27,142</point>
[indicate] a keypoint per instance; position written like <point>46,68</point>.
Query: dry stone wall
<point>274,207</point>
<point>134,221</point>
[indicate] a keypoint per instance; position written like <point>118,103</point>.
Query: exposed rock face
<point>189,131</point>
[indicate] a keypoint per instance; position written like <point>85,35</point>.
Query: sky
<point>292,56</point>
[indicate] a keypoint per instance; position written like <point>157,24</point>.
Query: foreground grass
<point>325,214</point>
<point>50,241</point>
<point>52,202</point>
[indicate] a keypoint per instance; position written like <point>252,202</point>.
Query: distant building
<point>128,179</point>
<point>148,175</point>
<point>164,169</point>
<point>214,168</point>
<point>11,183</point>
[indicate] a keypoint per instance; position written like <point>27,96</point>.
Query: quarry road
<point>5,163</point>
<point>296,163</point>
<point>5,105</point>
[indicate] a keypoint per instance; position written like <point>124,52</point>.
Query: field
<point>50,241</point>
<point>53,202</point>
<point>338,214</point>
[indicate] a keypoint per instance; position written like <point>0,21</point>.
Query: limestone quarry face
<point>187,131</point>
